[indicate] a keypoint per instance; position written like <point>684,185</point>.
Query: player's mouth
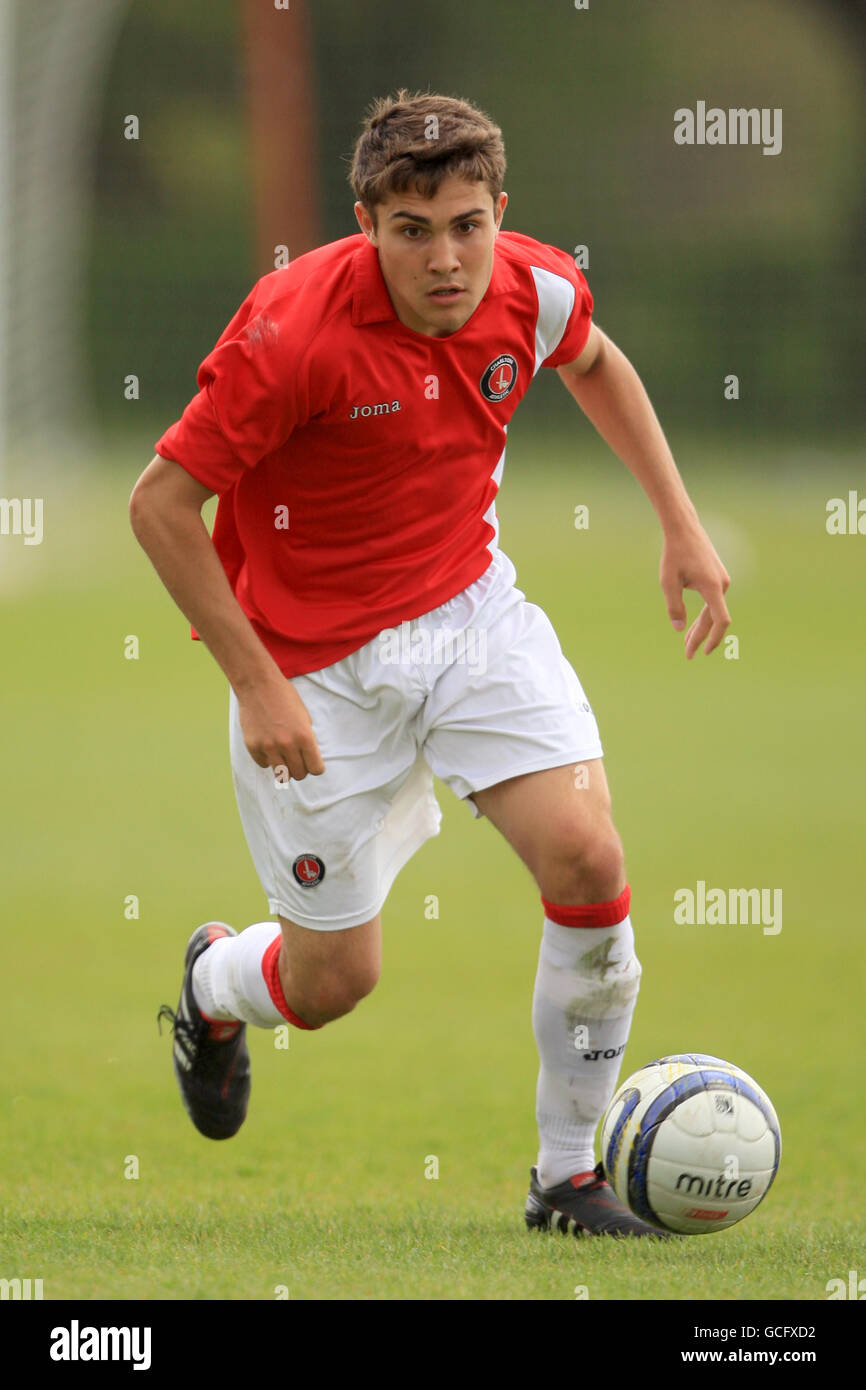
<point>446,294</point>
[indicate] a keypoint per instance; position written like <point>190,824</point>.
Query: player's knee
<point>601,867</point>
<point>591,870</point>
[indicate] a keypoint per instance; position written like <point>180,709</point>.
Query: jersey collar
<point>371,302</point>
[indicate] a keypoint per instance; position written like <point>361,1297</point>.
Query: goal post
<point>52,60</point>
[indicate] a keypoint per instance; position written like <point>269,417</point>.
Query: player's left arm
<point>610,393</point>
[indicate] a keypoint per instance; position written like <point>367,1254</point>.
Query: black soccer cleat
<point>586,1207</point>
<point>211,1059</point>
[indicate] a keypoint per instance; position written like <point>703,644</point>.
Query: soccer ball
<point>690,1143</point>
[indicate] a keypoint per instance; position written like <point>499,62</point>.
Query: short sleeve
<point>250,398</point>
<point>567,305</point>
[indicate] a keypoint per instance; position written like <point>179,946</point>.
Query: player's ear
<point>499,209</point>
<point>365,222</point>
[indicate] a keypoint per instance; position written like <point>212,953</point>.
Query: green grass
<point>740,772</point>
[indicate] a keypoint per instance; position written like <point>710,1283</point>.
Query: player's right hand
<point>278,731</point>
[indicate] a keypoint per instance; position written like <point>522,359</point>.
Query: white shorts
<point>475,691</point>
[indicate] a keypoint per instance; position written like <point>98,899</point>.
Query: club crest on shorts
<point>308,870</point>
<point>499,379</point>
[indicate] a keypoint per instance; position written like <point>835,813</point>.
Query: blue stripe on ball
<point>630,1102</point>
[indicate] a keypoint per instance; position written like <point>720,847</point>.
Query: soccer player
<point>352,419</point>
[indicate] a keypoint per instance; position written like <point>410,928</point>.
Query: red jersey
<point>357,461</point>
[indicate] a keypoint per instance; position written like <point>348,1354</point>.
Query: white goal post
<point>53,55</point>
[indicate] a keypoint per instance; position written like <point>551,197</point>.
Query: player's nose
<point>442,256</point>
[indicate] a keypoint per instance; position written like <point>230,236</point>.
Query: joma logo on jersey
<point>382,408</point>
<point>499,379</point>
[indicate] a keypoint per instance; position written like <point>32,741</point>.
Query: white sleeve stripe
<point>555,304</point>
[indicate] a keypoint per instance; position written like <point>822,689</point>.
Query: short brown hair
<point>416,140</point>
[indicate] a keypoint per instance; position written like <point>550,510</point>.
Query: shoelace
<point>188,1033</point>
<point>185,1031</point>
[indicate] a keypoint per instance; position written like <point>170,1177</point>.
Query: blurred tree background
<point>704,261</point>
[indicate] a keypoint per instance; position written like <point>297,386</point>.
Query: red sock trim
<point>271,972</point>
<point>590,914</point>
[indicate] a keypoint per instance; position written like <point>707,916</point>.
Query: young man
<point>352,419</point>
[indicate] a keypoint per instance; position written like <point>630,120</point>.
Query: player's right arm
<point>165,514</point>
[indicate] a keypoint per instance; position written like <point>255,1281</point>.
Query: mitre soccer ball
<point>690,1143</point>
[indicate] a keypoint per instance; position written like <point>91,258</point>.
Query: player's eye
<point>467,226</point>
<point>411,227</point>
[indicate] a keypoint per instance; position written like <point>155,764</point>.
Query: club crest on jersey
<point>498,381</point>
<point>308,870</point>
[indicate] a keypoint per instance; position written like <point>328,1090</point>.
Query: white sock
<point>227,978</point>
<point>585,993</point>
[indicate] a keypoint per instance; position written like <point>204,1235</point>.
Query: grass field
<point>741,772</point>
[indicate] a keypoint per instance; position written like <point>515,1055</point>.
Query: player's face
<point>436,254</point>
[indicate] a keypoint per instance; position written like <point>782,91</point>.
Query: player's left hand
<point>689,561</point>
